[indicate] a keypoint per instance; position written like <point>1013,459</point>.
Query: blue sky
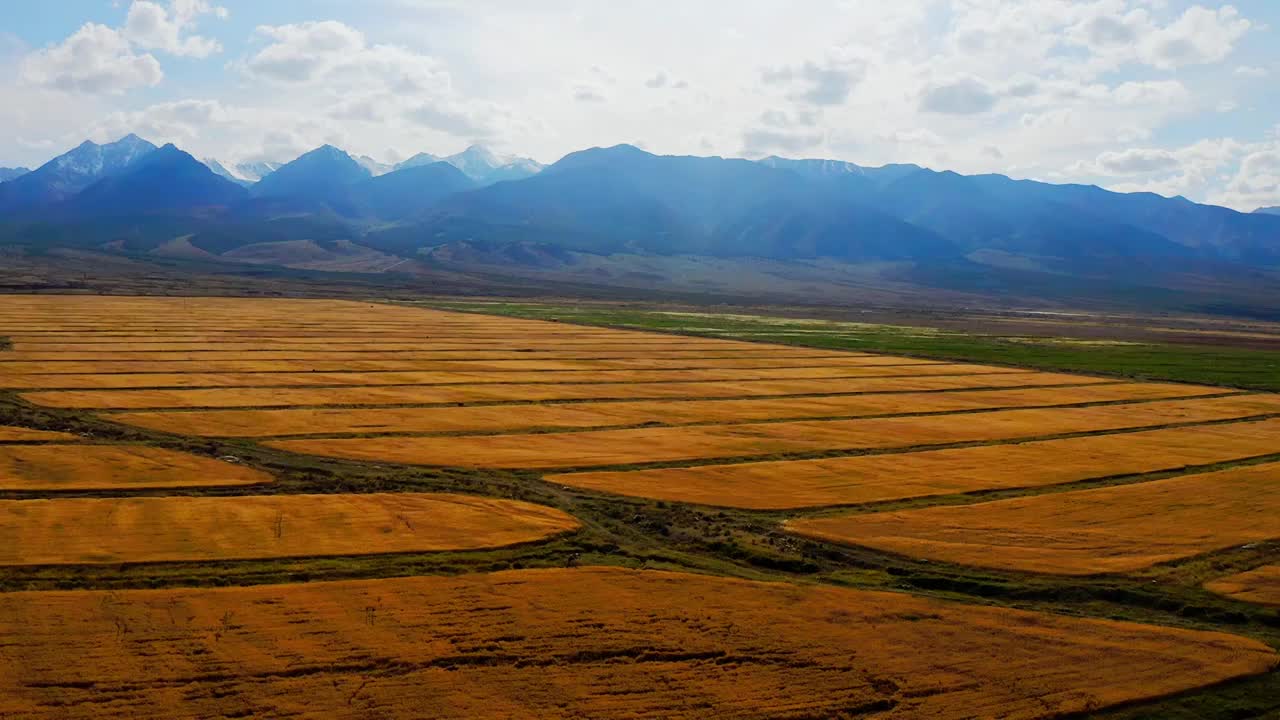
<point>1171,96</point>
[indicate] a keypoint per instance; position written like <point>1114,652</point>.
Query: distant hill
<point>166,180</point>
<point>7,174</point>
<point>68,174</point>
<point>402,193</point>
<point>622,199</point>
<point>623,217</point>
<point>321,174</point>
<point>1269,210</point>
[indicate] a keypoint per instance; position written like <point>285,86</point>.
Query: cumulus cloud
<point>823,84</point>
<point>96,59</point>
<point>1137,162</point>
<point>1198,37</point>
<point>305,52</point>
<point>965,96</point>
<point>153,26</point>
<point>760,141</point>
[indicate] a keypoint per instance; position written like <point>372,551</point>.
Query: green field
<point>1228,366</point>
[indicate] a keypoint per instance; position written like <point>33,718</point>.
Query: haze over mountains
<point>623,216</point>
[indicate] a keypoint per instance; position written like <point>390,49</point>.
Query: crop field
<point>881,478</point>
<point>154,529</point>
<point>619,644</point>
<point>274,423</point>
<point>104,467</point>
<point>21,434</point>
<point>1112,529</point>
<point>668,444</point>
<point>270,507</point>
<point>514,392</point>
<point>1261,585</point>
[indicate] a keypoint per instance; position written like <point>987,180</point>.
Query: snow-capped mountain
<point>71,172</point>
<point>486,167</point>
<point>244,173</point>
<point>419,160</point>
<point>374,167</point>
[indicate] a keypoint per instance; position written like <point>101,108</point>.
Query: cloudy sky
<point>1164,95</point>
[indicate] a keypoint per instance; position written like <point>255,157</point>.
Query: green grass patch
<point>1229,367</point>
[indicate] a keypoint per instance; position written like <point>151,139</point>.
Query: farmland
<point>1257,586</point>
<point>506,517</point>
<point>1110,529</point>
<point>666,645</point>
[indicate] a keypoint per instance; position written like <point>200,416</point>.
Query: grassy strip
<point>1231,367</point>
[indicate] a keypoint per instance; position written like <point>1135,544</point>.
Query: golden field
<point>1105,530</point>
<point>391,395</point>
<point>269,423</point>
<point>666,444</point>
<point>112,467</point>
<point>1261,585</point>
<point>800,430</point>
<point>619,644</point>
<point>170,529</point>
<point>879,478</point>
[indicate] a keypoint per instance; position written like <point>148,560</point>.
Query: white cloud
<point>1252,71</point>
<point>1200,36</point>
<point>965,96</point>
<point>152,26</point>
<point>96,59</point>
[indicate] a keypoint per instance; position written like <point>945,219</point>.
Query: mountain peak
<point>1268,210</point>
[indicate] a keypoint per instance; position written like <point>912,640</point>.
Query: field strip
<point>21,434</point>
<point>1261,586</point>
<point>176,529</point>
<point>590,642</point>
<point>503,418</point>
<point>66,381</point>
<point>115,467</point>
<point>91,342</point>
<point>879,478</point>
<point>469,355</point>
<point>15,367</point>
<point>671,444</point>
<point>431,394</point>
<point>1083,532</point>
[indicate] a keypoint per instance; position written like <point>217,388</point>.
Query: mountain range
<point>622,216</point>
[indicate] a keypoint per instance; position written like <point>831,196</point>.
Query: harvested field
<point>1106,530</point>
<point>114,467</point>
<point>163,529</point>
<point>303,379</point>
<point>620,644</point>
<point>1261,586</point>
<point>667,444</point>
<point>21,434</point>
<point>496,418</point>
<point>879,478</point>
<point>460,365</point>
<point>468,354</point>
<point>427,394</point>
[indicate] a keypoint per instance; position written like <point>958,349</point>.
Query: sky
<point>1168,96</point>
